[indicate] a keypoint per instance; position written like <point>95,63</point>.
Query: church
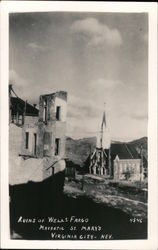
<point>115,160</point>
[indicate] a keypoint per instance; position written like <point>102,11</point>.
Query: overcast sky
<point>95,57</point>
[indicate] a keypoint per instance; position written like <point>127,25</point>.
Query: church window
<point>125,167</point>
<point>138,167</point>
<point>121,167</point>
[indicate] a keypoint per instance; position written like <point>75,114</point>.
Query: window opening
<point>45,112</point>
<point>57,146</point>
<point>58,111</point>
<point>35,143</point>
<point>27,140</point>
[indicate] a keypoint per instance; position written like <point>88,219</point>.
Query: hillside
<point>141,142</point>
<point>78,150</point>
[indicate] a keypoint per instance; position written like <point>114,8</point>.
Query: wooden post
<point>17,115</point>
<point>10,113</point>
<point>24,114</point>
<point>141,164</point>
<point>109,167</point>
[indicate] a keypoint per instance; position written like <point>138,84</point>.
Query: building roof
<point>124,151</point>
<point>17,104</point>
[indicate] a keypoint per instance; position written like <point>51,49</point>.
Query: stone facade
<point>52,125</point>
<point>127,169</point>
<point>42,133</point>
<point>99,162</point>
<point>44,136</point>
<point>15,140</point>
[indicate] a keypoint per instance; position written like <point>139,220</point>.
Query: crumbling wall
<point>31,120</point>
<point>49,127</point>
<point>31,143</point>
<point>60,133</point>
<point>15,139</point>
<point>40,133</point>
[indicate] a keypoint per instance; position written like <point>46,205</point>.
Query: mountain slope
<point>142,142</point>
<point>78,151</point>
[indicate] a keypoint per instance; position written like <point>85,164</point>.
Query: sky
<point>96,57</point>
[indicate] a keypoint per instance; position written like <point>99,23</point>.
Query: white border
<point>30,6</point>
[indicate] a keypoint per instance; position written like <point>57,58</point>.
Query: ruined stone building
<point>119,161</point>
<point>39,133</point>
<point>46,135</point>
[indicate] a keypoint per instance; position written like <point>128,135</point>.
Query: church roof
<point>17,104</point>
<point>124,151</point>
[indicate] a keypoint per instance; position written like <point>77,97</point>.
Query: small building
<point>126,162</point>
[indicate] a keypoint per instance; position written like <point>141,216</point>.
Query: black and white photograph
<point>78,117</point>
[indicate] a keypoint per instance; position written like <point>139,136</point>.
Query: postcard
<point>78,125</point>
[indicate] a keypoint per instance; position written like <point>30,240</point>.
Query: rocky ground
<point>119,209</point>
<point>131,198</point>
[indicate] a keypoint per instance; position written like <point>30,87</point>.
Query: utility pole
<point>24,114</point>
<point>10,113</point>
<point>17,114</point>
<point>9,103</point>
<point>109,163</point>
<point>141,164</point>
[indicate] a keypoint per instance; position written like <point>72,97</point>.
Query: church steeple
<point>104,119</point>
<point>100,159</point>
<point>102,126</point>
